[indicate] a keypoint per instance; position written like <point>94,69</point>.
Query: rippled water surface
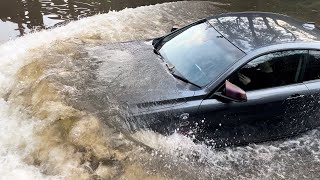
<point>48,131</point>
<point>18,17</point>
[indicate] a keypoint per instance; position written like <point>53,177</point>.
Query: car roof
<point>253,30</point>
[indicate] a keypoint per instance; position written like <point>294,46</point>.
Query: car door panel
<point>267,114</point>
<point>314,105</point>
<point>311,76</point>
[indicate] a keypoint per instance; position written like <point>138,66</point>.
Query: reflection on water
<point>18,17</point>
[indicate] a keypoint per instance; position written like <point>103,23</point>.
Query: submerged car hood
<point>133,74</point>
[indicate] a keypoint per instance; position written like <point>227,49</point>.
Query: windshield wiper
<point>170,67</point>
<point>180,77</point>
<point>156,52</point>
<point>175,73</point>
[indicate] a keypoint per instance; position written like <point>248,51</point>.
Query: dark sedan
<point>229,79</point>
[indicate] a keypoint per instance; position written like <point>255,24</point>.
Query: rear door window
<point>312,70</point>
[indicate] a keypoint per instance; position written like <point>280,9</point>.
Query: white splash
<point>16,141</point>
<point>17,129</point>
<point>295,158</point>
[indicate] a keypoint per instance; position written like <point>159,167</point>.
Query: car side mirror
<point>232,93</point>
<point>174,28</point>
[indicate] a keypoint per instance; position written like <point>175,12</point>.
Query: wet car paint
<point>268,114</point>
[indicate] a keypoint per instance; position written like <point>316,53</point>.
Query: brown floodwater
<point>18,17</point>
<point>59,103</point>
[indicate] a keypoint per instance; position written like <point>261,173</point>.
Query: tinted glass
<point>251,31</point>
<point>312,70</point>
<point>199,53</point>
<point>271,70</point>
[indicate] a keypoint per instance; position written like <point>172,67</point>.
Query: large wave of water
<point>45,134</point>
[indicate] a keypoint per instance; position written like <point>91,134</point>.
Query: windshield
<point>199,53</point>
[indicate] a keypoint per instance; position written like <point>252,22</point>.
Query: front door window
<point>270,70</point>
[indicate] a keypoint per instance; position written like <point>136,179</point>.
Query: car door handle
<point>295,96</point>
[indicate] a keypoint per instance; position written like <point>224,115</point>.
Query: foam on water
<point>294,158</point>
<point>16,142</point>
<point>129,24</point>
<point>42,136</point>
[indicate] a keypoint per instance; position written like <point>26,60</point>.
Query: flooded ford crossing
<point>61,119</point>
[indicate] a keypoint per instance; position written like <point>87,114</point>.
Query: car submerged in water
<point>230,79</point>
